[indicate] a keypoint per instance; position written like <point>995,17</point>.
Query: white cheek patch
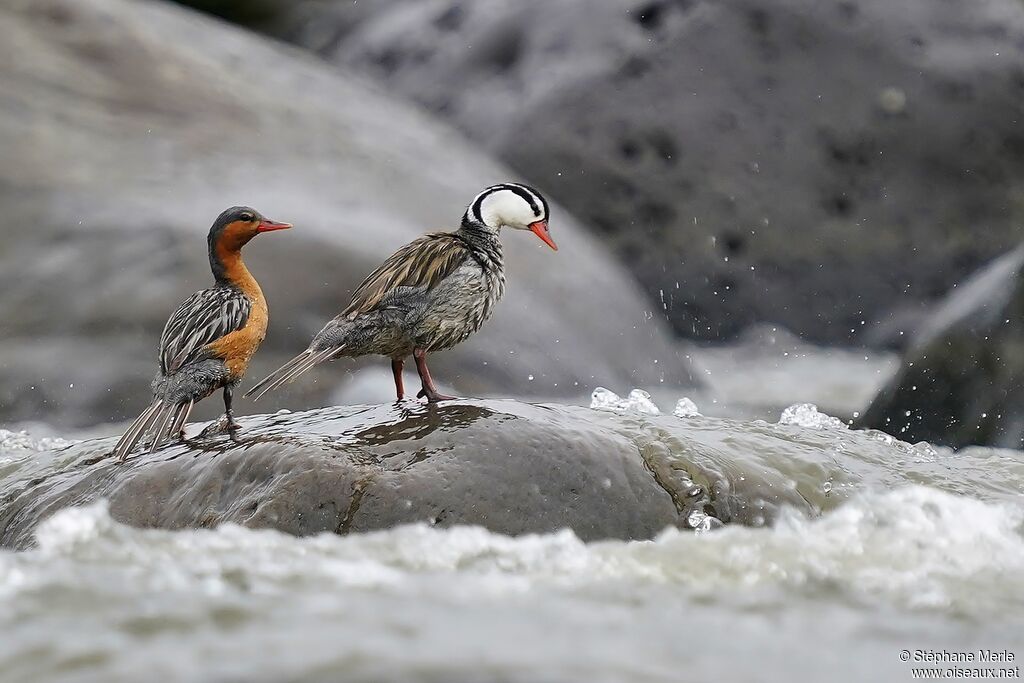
<point>505,207</point>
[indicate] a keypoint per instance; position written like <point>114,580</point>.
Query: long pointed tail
<point>137,430</point>
<point>162,419</point>
<point>179,422</point>
<point>169,415</point>
<point>292,369</point>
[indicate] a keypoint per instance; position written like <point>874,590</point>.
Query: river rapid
<point>908,547</point>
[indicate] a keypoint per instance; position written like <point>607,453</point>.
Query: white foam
<point>686,408</point>
<point>419,598</point>
<point>917,546</point>
<point>807,415</point>
<point>638,401</point>
<point>23,441</point>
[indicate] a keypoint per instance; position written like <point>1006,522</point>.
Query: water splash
<point>195,604</point>
<point>638,401</point>
<point>807,415</point>
<point>11,442</point>
<point>686,408</point>
<point>915,546</point>
<point>702,522</point>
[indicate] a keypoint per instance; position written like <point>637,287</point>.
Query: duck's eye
<point>247,217</point>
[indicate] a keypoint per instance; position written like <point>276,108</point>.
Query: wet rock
<point>510,467</point>
<point>962,380</point>
<point>822,165</point>
<point>128,126</point>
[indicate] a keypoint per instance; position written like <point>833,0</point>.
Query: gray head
<point>510,205</point>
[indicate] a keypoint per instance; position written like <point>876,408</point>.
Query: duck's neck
<point>481,238</point>
<point>483,243</point>
<point>229,271</point>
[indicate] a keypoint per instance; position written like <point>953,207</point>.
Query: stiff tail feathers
<point>160,418</point>
<point>179,422</point>
<point>292,369</point>
<point>165,419</point>
<point>168,415</point>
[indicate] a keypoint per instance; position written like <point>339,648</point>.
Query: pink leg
<point>428,390</point>
<point>396,369</point>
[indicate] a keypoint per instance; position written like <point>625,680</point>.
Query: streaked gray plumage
<point>429,295</point>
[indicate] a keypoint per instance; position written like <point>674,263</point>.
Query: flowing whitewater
<point>896,547</point>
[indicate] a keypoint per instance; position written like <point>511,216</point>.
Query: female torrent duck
<point>208,342</point>
<point>429,295</point>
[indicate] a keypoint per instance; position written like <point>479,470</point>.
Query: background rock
<point>962,381</point>
<point>128,126</point>
<point>823,165</point>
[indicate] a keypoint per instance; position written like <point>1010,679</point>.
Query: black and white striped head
<point>511,205</point>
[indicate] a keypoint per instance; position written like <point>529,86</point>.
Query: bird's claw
<point>433,396</point>
<point>223,424</point>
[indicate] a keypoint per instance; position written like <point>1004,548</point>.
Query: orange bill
<point>540,229</point>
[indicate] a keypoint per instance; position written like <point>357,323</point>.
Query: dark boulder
<point>126,127</point>
<point>822,165</point>
<point>962,380</point>
<point>511,467</point>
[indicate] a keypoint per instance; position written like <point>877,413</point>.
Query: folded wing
<point>203,318</point>
<point>422,263</point>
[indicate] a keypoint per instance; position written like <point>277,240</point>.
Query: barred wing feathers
<point>203,318</point>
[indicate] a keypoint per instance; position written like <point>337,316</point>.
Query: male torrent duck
<point>208,342</point>
<point>429,295</point>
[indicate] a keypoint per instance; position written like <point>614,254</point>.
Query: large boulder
<point>961,382</point>
<point>128,126</point>
<point>823,165</point>
<point>511,467</point>
<point>508,466</point>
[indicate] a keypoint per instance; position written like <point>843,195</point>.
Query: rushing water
<point>916,548</point>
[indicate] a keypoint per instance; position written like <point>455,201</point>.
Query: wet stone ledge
<point>513,468</point>
<point>508,466</point>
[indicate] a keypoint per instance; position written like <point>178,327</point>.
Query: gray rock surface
<point>962,380</point>
<point>823,165</point>
<point>511,467</point>
<point>128,126</point>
